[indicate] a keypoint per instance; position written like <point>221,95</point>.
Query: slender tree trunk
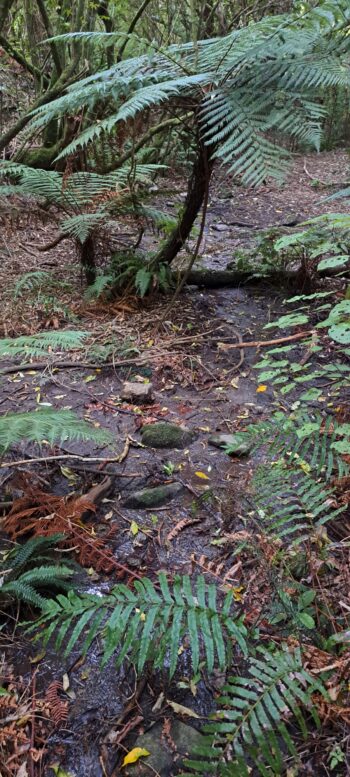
<point>199,180</point>
<point>87,258</point>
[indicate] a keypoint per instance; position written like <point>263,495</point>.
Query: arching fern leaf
<point>250,727</point>
<point>148,623</point>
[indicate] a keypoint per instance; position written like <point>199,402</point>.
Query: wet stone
<point>153,497</point>
<point>165,435</point>
<point>240,443</point>
<point>139,393</point>
<point>162,760</point>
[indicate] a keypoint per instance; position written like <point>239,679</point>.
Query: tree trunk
<point>87,258</point>
<point>197,186</point>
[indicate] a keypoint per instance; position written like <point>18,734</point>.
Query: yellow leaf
<point>261,388</point>
<point>181,710</point>
<point>89,378</point>
<point>134,755</point>
<point>60,772</point>
<point>201,475</point>
<point>38,657</point>
<point>134,528</point>
<point>204,428</point>
<point>69,474</point>
<point>143,616</point>
<point>237,595</point>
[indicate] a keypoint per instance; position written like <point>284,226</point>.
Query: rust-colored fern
<point>38,513</point>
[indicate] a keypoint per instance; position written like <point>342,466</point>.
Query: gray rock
<point>165,435</point>
<point>220,227</point>
<point>137,392</point>
<point>161,757</point>
<point>153,497</point>
<point>239,442</point>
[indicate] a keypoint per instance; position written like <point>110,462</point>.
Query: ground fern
<point>250,727</point>
<point>147,623</point>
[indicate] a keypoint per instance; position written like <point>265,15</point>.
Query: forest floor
<point>198,383</point>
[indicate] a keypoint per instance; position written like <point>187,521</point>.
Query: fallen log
<point>214,279</point>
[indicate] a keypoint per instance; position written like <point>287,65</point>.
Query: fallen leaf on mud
<point>65,682</point>
<point>260,389</point>
<point>181,710</point>
<point>134,528</point>
<point>89,378</point>
<point>202,475</point>
<point>134,755</point>
<point>60,772</point>
<point>38,657</point>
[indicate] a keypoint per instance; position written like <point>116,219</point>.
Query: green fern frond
<point>147,624</point>
<point>31,281</point>
<point>81,226</point>
<point>254,80</point>
<point>28,574</point>
<point>290,503</point>
<point>102,283</point>
<point>301,437</point>
<point>251,725</point>
<point>35,549</point>
<point>47,425</point>
<point>41,343</point>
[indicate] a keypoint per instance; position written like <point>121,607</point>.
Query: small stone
<point>240,443</point>
<point>138,393</point>
<point>165,435</point>
<point>220,227</point>
<point>161,758</point>
<point>153,497</point>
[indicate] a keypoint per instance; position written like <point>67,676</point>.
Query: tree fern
<point>257,79</point>
<point>250,727</point>
<point>47,425</point>
<point>148,623</point>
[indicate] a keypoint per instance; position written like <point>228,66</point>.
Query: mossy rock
<point>161,757</point>
<point>153,497</point>
<point>165,435</point>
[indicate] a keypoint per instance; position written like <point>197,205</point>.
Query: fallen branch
<point>62,456</point>
<point>263,343</point>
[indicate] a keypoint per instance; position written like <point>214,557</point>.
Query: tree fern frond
<point>81,226</point>
<point>47,425</point>
<point>42,342</point>
<point>147,624</point>
<point>252,718</point>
